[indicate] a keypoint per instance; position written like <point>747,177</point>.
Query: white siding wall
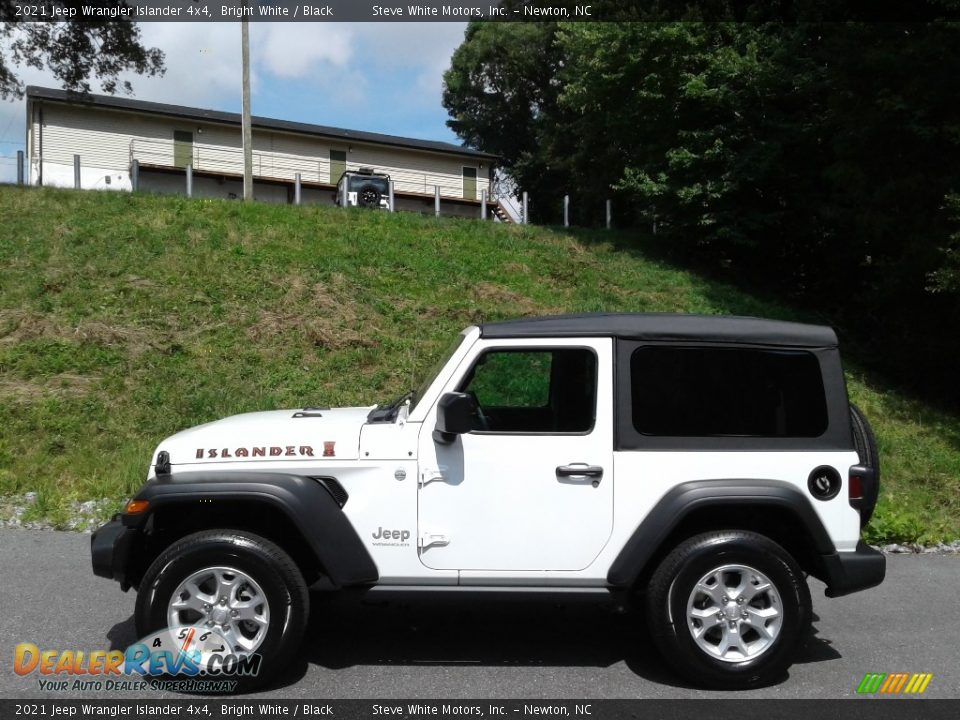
<point>101,139</point>
<point>207,187</point>
<point>108,140</point>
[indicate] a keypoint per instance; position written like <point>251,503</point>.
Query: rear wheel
<point>866,445</point>
<point>728,609</point>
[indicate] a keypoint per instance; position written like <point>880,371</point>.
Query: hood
<point>271,436</point>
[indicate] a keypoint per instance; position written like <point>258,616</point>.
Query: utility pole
<point>247,130</point>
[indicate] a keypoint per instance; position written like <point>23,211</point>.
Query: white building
<point>110,133</point>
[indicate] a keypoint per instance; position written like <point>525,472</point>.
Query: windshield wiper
<point>411,395</point>
<point>389,411</point>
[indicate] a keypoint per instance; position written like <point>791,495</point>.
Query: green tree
<point>501,94</point>
<point>816,158</point>
<point>75,52</point>
<point>946,278</point>
<point>795,147</point>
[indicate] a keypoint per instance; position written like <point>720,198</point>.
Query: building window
<point>182,148</point>
<point>338,165</point>
<point>469,183</point>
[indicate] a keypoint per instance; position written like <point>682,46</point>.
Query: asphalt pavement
<point>468,648</point>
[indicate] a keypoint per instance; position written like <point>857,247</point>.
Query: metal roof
<point>181,111</point>
<point>669,327</point>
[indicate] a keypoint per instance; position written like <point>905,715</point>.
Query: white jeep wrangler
<point>363,188</point>
<point>701,465</point>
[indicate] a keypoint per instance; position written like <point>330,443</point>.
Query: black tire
<point>866,445</point>
<point>368,196</point>
<point>673,583</point>
<point>261,560</point>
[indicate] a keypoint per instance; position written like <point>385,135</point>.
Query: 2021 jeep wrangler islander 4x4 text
<point>700,465</point>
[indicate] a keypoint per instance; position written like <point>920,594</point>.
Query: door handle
<point>577,471</point>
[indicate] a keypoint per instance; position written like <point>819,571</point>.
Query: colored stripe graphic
<point>925,679</point>
<point>894,683</point>
<point>889,682</point>
<point>901,681</point>
<point>871,682</point>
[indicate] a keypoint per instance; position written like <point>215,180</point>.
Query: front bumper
<point>110,548</point>
<point>848,572</point>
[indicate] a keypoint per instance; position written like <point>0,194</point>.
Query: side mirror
<point>455,412</point>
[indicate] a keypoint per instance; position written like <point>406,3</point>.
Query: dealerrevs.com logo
<point>188,659</point>
<point>898,683</point>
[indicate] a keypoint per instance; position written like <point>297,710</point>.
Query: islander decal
<point>262,451</point>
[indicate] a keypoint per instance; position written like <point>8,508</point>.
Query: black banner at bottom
<point>715,709</point>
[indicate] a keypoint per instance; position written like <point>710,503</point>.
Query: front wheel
<point>728,609</point>
<point>242,590</point>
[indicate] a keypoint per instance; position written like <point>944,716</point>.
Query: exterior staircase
<point>501,213</point>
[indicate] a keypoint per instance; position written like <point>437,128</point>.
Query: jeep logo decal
<point>384,536</point>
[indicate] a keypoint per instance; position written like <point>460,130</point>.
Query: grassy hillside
<point>125,318</point>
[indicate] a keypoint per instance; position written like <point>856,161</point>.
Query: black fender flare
<point>306,503</point>
<point>687,497</point>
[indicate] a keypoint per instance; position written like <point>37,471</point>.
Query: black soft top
<point>669,327</point>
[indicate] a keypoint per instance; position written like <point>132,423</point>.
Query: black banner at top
<point>483,10</point>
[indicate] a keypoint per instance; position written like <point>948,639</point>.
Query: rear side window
<point>718,392</point>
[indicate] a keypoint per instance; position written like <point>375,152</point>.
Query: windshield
<point>435,370</point>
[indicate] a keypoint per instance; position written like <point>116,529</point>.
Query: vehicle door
<point>530,486</point>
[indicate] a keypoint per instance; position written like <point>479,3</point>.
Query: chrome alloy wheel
<point>226,600</point>
<point>734,613</point>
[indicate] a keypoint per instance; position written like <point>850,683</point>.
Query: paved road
<point>49,596</point>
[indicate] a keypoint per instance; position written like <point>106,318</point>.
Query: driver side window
<point>534,390</point>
